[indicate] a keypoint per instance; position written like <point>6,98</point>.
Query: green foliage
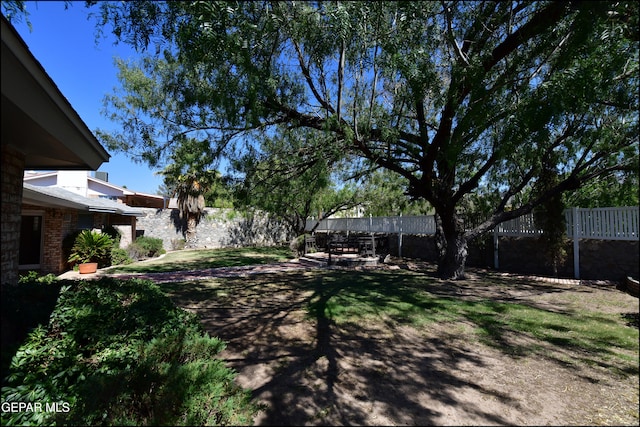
<point>178,244</point>
<point>456,98</point>
<point>67,244</point>
<point>24,307</point>
<point>114,233</point>
<point>620,189</point>
<point>197,259</point>
<point>153,245</point>
<point>16,11</point>
<point>293,176</point>
<point>549,217</point>
<point>34,276</point>
<point>297,245</point>
<point>91,246</point>
<point>120,353</point>
<point>120,256</point>
<point>145,247</point>
<point>386,195</point>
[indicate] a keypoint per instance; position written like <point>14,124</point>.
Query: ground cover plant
<point>390,345</point>
<point>119,352</point>
<point>397,345</point>
<point>207,258</point>
<point>24,307</point>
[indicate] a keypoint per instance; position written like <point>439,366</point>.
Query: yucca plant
<point>91,246</point>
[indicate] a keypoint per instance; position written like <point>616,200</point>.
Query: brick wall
<point>11,173</point>
<point>58,223</point>
<point>52,249</point>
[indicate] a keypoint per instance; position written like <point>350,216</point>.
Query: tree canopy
<point>458,98</point>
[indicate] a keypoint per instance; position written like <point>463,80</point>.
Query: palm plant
<point>190,194</point>
<point>90,246</point>
<point>190,178</point>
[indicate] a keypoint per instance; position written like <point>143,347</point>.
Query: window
<point>30,240</point>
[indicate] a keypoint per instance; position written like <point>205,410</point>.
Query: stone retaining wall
<point>217,228</point>
<point>599,259</point>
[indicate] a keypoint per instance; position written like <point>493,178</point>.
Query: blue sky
<point>64,43</point>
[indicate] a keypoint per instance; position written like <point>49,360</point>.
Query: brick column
<point>12,173</point>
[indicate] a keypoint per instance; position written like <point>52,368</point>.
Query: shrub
<point>149,246</point>
<point>67,244</point>
<point>35,277</point>
<point>145,247</point>
<point>136,251</point>
<point>90,246</point>
<point>119,352</point>
<point>178,244</point>
<point>297,245</point>
<point>114,233</point>
<point>24,307</point>
<point>120,256</point>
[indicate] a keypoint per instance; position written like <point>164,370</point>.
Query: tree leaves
<point>455,97</point>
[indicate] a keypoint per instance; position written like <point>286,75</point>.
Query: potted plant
<point>89,249</point>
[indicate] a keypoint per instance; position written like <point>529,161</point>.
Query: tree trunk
<point>451,245</point>
<point>190,235</point>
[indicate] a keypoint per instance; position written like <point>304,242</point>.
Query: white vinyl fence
<point>420,224</point>
<point>617,223</point>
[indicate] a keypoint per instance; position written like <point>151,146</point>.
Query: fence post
<point>400,236</point>
<point>576,243</point>
<point>496,261</point>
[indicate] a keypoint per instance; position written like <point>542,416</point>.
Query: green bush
<point>67,244</point>
<point>178,244</point>
<point>120,256</point>
<point>24,307</point>
<point>297,245</point>
<point>114,233</point>
<point>119,352</point>
<point>145,247</point>
<point>91,246</point>
<point>136,252</point>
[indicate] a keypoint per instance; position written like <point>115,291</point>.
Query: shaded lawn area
<point>200,259</point>
<point>319,346</point>
<point>545,313</point>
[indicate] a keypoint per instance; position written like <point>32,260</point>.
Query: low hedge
<point>119,352</point>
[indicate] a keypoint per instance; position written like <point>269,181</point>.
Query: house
<point>57,203</point>
<point>94,186</point>
<point>40,131</point>
<point>49,214</point>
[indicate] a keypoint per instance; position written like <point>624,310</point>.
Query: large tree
<point>454,96</point>
<point>294,176</point>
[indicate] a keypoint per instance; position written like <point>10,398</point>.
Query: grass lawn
<point>555,319</point>
<point>319,346</point>
<point>417,299</point>
<point>198,259</point>
<point>397,345</point>
<point>401,347</point>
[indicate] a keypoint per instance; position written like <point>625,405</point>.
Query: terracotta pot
<point>88,267</point>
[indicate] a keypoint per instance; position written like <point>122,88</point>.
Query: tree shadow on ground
<point>303,382</point>
<point>310,369</point>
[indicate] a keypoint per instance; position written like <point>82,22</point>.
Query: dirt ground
<point>307,372</point>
